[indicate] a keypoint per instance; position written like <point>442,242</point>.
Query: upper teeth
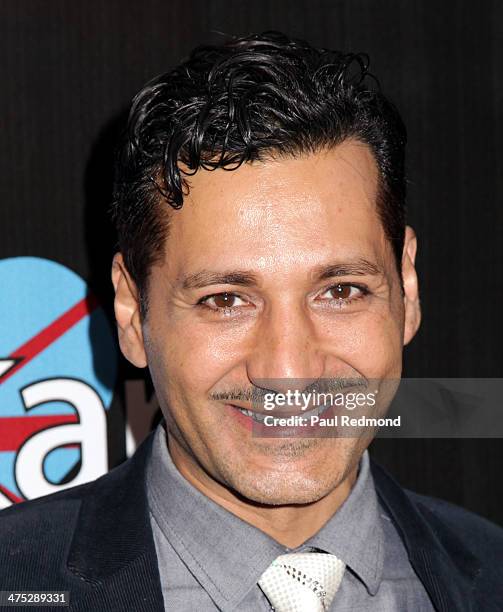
<point>257,416</point>
<point>254,415</point>
<point>316,411</point>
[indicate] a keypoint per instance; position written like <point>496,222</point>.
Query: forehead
<point>304,209</point>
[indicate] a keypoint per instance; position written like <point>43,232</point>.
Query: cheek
<point>383,349</point>
<point>371,344</point>
<point>197,355</point>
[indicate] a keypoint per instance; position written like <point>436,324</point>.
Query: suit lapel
<point>444,565</point>
<point>113,550</point>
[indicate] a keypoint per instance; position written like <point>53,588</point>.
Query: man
<point>263,248</point>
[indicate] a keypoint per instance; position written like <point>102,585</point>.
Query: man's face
<point>277,270</point>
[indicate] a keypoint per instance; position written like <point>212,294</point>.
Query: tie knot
<point>302,582</point>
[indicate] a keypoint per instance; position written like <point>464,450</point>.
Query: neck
<point>290,525</point>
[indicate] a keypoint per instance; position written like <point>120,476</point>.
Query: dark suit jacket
<point>95,541</point>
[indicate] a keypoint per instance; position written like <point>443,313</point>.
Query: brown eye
<point>224,300</point>
<point>342,292</point>
<point>225,303</point>
<point>343,295</point>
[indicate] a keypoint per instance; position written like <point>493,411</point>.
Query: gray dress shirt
<point>210,560</point>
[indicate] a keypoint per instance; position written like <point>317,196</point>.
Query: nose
<point>286,352</point>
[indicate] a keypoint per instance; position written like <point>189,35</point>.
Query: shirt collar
<point>354,533</point>
<point>228,556</point>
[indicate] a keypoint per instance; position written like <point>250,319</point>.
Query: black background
<point>69,69</point>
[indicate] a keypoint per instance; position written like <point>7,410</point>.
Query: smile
<point>259,417</point>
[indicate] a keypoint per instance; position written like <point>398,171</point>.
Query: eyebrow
<point>204,278</point>
<point>357,267</point>
<point>245,278</point>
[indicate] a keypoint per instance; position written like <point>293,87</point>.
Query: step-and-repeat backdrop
<point>70,406</point>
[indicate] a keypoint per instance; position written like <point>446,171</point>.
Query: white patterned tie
<point>302,582</point>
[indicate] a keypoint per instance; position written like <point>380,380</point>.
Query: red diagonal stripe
<point>49,334</point>
<point>15,499</point>
<point>15,430</point>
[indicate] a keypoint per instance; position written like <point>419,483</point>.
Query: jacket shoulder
<point>46,508</point>
<point>34,538</point>
<point>482,537</point>
<point>35,535</point>
<point>92,540</point>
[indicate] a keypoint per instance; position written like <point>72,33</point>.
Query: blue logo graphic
<point>58,367</point>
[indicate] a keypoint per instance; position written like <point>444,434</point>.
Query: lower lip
<point>241,418</point>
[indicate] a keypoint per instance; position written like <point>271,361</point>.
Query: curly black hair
<point>244,100</point>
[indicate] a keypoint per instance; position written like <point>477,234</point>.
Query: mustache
<point>257,394</point>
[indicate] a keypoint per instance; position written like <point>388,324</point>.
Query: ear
<point>410,286</point>
<point>127,314</point>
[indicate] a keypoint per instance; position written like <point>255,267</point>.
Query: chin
<point>282,489</point>
<point>296,472</point>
